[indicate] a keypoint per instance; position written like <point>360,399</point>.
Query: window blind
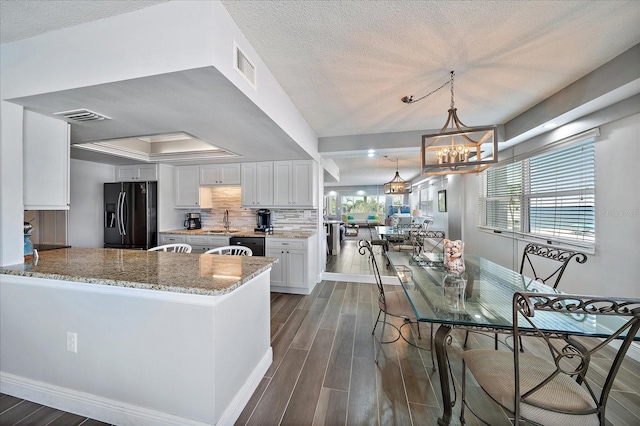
<point>550,195</point>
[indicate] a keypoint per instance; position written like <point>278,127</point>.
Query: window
<point>363,204</point>
<point>330,205</point>
<point>550,195</point>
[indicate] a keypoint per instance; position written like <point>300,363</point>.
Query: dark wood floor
<point>350,261</point>
<point>323,371</point>
<point>16,411</point>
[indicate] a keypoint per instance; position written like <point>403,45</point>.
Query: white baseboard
<point>118,412</point>
<point>290,290</point>
<point>356,278</point>
<point>236,406</point>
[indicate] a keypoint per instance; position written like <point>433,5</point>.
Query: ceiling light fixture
<point>456,148</point>
<point>397,185</point>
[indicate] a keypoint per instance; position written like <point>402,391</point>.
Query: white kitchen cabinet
<point>188,193</point>
<point>46,144</point>
<point>282,181</point>
<point>172,238</point>
<point>133,172</point>
<point>202,243</point>
<point>294,273</point>
<point>198,243</point>
<point>257,184</point>
<point>277,269</point>
<point>220,174</point>
<point>295,184</point>
<point>304,189</point>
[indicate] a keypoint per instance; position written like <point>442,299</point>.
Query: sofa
<point>361,219</point>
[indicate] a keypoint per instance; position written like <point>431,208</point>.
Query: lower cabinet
<point>202,243</point>
<point>294,273</point>
<point>198,243</point>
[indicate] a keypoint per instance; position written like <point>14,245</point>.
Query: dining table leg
<point>440,343</point>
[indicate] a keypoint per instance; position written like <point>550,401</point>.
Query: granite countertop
<point>240,233</point>
<point>204,274</point>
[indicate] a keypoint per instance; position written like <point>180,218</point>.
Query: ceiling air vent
<point>82,115</point>
<point>243,65</point>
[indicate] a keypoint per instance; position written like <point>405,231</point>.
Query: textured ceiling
<point>346,64</point>
<point>26,18</point>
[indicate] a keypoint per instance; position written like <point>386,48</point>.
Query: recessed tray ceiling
<point>177,146</point>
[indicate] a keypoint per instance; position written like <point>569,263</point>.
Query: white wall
<point>615,267</point>
<point>11,183</point>
<point>140,354</point>
<point>86,221</point>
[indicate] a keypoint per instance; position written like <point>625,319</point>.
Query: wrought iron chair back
<point>365,248</point>
<point>553,390</point>
<point>561,256</point>
<point>573,358</point>
<point>426,240</point>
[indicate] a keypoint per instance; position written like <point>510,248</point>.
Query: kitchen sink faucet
<point>225,220</point>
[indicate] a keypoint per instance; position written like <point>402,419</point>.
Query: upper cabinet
<point>220,174</point>
<point>187,188</point>
<point>46,144</point>
<point>142,172</point>
<point>257,184</point>
<point>295,184</point>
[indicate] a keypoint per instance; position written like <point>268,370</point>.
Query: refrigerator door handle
<point>122,214</point>
<point>118,214</point>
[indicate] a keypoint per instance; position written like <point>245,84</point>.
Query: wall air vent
<point>244,66</point>
<point>82,115</point>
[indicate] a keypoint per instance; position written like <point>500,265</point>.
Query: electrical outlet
<point>72,342</point>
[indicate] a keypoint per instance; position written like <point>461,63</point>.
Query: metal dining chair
<point>175,247</point>
<point>563,257</point>
<point>231,250</point>
<point>554,388</point>
<point>548,272</point>
<point>375,240</point>
<point>396,305</point>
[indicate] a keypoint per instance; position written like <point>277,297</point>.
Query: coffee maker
<point>263,220</point>
<point>193,221</point>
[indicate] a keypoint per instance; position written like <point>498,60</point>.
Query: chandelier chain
<point>410,100</point>
<point>452,102</point>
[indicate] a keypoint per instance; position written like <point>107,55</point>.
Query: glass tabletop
<point>485,299</point>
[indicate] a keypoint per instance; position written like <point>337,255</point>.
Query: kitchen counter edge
<point>258,266</point>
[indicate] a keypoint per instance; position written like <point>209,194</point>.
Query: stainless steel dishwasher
<point>256,244</point>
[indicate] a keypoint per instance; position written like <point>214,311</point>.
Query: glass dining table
<point>428,240</point>
<point>481,303</point>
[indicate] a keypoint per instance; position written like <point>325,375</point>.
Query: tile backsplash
<point>229,198</point>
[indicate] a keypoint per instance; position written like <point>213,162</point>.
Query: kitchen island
<point>138,337</point>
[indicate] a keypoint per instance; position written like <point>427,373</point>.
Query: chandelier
<point>397,185</point>
<point>456,148</point>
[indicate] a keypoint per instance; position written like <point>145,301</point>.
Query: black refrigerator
<point>130,215</point>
